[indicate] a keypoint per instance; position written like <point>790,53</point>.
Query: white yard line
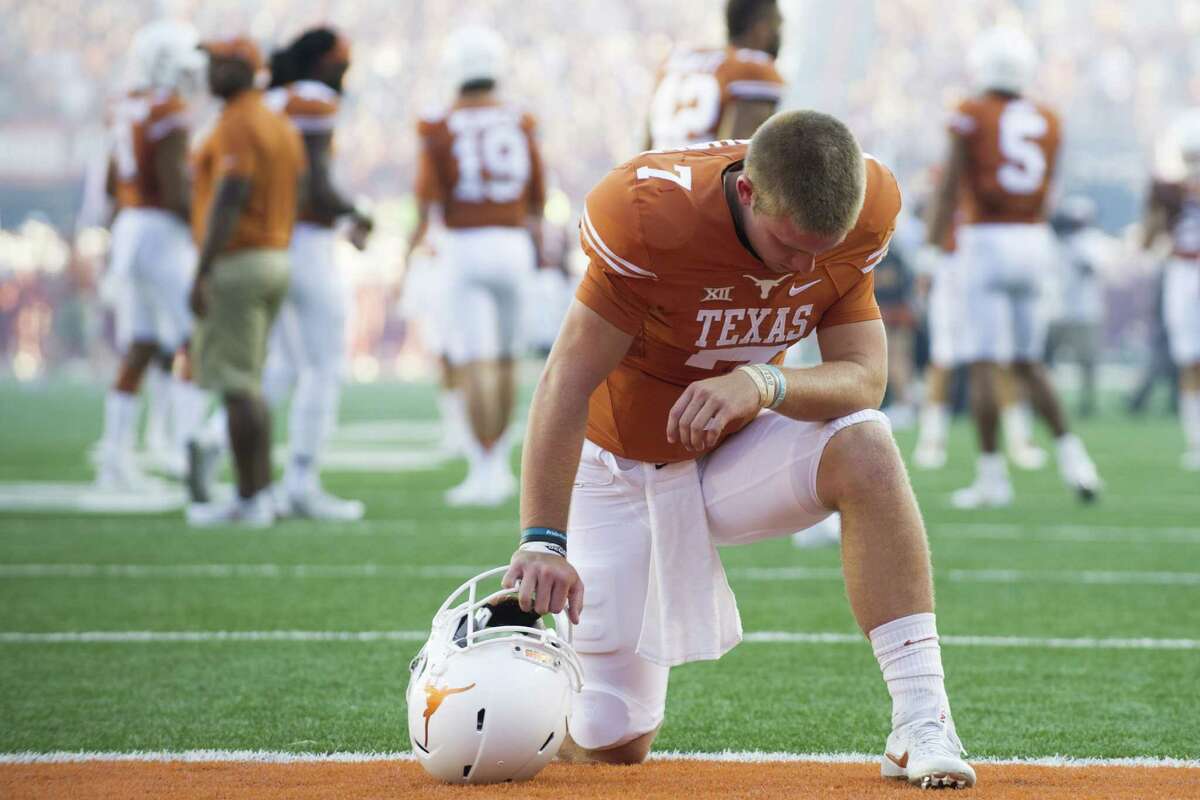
<point>372,570</point>
<point>1116,534</point>
<point>753,637</point>
<point>727,756</point>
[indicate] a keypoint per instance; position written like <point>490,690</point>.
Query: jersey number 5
<point>1024,167</point>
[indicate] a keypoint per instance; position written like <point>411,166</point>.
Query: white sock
<point>477,457</point>
<point>498,456</point>
<point>120,423</point>
<point>452,408</point>
<point>1018,428</point>
<point>1069,449</point>
<point>1189,415</point>
<point>934,420</point>
<point>158,408</point>
<point>910,658</point>
<point>314,409</point>
<point>991,468</point>
<point>188,403</point>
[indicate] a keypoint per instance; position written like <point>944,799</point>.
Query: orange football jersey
<point>139,122</point>
<point>1012,149</point>
<point>481,163</point>
<point>312,107</point>
<point>669,267</point>
<point>695,86</point>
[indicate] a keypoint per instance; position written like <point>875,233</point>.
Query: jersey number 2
<point>1024,167</point>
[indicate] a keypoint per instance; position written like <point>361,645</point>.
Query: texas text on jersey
<point>696,85</point>
<point>139,122</point>
<point>1012,146</point>
<point>312,107</point>
<point>481,163</point>
<point>669,267</point>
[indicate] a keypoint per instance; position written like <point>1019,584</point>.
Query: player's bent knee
<point>607,726</point>
<point>860,457</point>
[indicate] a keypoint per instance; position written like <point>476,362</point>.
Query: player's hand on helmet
<point>198,297</point>
<point>707,407</point>
<point>548,583</point>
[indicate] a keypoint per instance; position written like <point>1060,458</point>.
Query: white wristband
<point>543,547</point>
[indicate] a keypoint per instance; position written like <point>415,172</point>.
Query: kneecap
<point>601,720</point>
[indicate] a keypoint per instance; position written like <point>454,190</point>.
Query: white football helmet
<point>490,692</point>
<point>474,54</point>
<point>165,55</point>
<point>1002,59</point>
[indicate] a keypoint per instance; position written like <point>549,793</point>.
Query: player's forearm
<point>553,440</point>
<point>831,390</point>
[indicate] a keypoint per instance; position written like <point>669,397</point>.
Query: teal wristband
<point>780,385</point>
<point>547,535</point>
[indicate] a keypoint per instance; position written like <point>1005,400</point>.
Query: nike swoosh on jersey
<point>795,290</point>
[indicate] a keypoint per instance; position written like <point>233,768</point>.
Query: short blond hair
<point>807,166</point>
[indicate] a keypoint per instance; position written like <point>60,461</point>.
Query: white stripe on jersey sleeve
<point>166,125</point>
<point>755,90</point>
<point>311,124</point>
<point>618,264</point>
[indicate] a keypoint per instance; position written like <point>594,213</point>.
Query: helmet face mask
<point>490,692</point>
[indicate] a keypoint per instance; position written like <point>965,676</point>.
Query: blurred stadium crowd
<point>1119,71</point>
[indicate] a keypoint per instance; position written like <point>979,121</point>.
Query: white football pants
<point>307,347</point>
<point>760,483</point>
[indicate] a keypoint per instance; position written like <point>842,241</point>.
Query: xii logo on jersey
<point>719,293</point>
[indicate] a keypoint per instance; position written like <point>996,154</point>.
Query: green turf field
<point>1127,569</point>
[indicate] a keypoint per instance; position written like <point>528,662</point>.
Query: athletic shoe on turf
<point>927,753</point>
<point>121,474</point>
<point>256,512</point>
<point>318,504</point>
<point>1077,469</point>
<point>983,494</point>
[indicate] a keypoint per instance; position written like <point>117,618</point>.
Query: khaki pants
<point>230,343</point>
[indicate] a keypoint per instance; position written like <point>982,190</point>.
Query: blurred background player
<point>1173,213</point>
<point>1077,327</point>
<point>704,94</point>
<point>1003,152</point>
<point>479,163</point>
<point>152,256</point>
<point>248,172</point>
<point>307,348</point>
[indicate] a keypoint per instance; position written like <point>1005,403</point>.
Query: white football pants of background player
<point>1003,269</point>
<point>307,352</point>
<point>487,271</point>
<point>1181,301</point>
<point>151,264</point>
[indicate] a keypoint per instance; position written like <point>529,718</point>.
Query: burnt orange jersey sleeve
<point>750,75</point>
<point>615,284</point>
<point>166,118</point>
<point>429,185</point>
<point>853,262</point>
